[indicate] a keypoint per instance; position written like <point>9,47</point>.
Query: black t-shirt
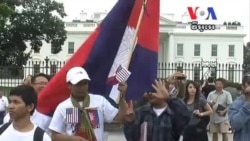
<point>207,89</point>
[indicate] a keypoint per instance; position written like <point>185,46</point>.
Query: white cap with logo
<point>76,74</point>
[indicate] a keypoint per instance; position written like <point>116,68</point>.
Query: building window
<point>214,50</point>
<point>179,49</point>
<point>196,73</point>
<point>231,73</point>
<point>197,50</point>
<point>36,68</point>
<point>53,69</point>
<point>71,47</point>
<point>231,50</point>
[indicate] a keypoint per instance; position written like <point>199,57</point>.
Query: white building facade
<point>178,44</point>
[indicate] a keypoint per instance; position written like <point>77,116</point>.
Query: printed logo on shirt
<point>73,127</point>
<point>73,115</point>
<point>93,117</point>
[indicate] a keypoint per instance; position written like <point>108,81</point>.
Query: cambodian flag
<point>93,117</point>
<point>121,39</point>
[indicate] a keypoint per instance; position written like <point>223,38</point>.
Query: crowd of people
<point>174,109</point>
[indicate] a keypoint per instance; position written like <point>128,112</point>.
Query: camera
<point>180,78</point>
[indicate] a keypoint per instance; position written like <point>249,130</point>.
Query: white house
<point>178,44</point>
<point>208,51</point>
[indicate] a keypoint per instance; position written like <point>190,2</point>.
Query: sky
<point>225,10</point>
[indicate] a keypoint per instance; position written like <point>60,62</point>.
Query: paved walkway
<point>118,136</point>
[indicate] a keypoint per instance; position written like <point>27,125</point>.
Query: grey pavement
<point>117,135</point>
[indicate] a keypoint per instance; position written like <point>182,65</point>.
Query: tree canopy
<point>29,22</point>
<point>246,56</point>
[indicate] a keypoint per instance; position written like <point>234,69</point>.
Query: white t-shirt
<point>106,113</point>
<point>37,118</point>
<point>11,134</point>
<point>159,111</point>
<point>3,103</point>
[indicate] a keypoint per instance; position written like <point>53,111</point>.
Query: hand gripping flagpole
<point>135,38</point>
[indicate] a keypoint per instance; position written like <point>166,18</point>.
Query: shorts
<point>219,127</point>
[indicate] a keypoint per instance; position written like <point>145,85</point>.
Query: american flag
<point>73,115</point>
<point>122,74</point>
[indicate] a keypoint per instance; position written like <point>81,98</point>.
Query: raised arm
<point>239,113</point>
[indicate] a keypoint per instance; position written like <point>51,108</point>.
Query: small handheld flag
<point>122,74</point>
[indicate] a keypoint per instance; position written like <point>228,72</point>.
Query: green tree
<point>5,12</point>
<point>246,55</point>
<point>29,22</point>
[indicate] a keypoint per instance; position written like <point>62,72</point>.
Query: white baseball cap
<point>76,74</point>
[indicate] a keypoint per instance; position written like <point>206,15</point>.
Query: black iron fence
<point>11,75</point>
<point>203,70</point>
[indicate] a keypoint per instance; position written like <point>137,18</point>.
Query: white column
<point>161,50</point>
<point>171,48</point>
<point>165,50</point>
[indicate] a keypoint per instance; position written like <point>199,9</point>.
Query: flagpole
<point>137,30</point>
<point>135,38</point>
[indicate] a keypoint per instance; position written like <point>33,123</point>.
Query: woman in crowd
<point>200,110</point>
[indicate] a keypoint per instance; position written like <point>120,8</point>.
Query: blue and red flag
<point>93,117</point>
<point>109,46</point>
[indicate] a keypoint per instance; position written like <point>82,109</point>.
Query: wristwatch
<point>201,114</point>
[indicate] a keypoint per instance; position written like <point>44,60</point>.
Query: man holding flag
<point>128,36</point>
<point>81,117</point>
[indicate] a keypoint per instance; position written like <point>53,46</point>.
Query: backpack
<point>38,135</point>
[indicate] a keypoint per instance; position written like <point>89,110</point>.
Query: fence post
<point>46,64</point>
